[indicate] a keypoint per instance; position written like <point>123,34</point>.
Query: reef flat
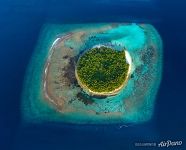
<point>52,92</point>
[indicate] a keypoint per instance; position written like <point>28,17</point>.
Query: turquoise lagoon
<point>134,103</point>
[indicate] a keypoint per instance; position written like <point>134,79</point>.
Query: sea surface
<point>20,24</point>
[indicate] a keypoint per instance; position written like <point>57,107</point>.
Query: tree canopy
<point>102,69</point>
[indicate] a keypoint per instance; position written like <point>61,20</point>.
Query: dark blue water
<point>20,24</point>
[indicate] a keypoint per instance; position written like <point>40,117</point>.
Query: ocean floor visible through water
<point>146,64</point>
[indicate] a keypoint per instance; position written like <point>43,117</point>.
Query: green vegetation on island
<point>102,69</point>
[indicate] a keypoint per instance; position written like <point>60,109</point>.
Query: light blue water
<point>133,38</point>
<point>130,36</point>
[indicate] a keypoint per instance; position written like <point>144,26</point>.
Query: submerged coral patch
<point>93,73</point>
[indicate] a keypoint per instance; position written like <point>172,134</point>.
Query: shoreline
<point>42,98</point>
<point>46,92</point>
<point>114,92</point>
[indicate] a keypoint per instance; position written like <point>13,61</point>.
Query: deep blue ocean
<point>20,25</point>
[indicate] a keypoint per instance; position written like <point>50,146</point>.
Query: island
<point>93,74</point>
<point>103,71</point>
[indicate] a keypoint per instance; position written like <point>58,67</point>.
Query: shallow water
<point>135,102</point>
